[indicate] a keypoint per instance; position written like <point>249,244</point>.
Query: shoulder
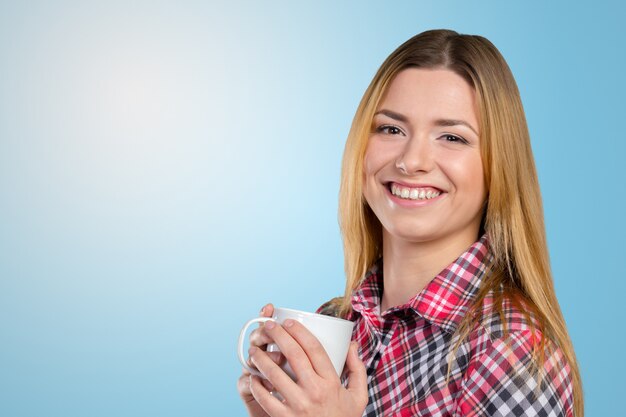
<point>505,314</point>
<point>506,380</point>
<point>507,374</point>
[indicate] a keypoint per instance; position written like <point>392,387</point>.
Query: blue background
<point>166,168</point>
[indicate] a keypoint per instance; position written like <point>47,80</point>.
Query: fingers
<point>260,339</point>
<point>275,374</point>
<point>277,357</point>
<point>257,336</point>
<point>298,341</point>
<point>267,384</point>
<point>243,383</point>
<point>272,405</point>
<point>243,386</point>
<point>357,375</point>
<point>267,310</point>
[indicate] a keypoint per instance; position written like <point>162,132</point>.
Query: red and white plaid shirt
<point>406,351</point>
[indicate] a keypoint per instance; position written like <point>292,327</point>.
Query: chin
<point>416,235</point>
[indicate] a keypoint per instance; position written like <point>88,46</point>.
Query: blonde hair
<point>513,218</point>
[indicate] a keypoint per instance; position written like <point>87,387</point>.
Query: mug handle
<point>242,336</point>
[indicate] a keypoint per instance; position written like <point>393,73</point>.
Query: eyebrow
<point>439,122</point>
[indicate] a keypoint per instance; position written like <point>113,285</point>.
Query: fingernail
<point>269,324</point>
<point>288,323</point>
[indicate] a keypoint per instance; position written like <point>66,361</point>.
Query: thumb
<point>357,377</point>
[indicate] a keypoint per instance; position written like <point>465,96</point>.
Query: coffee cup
<point>334,334</point>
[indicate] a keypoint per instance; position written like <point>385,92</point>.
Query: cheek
<point>478,177</point>
<point>476,183</point>
<point>468,175</point>
<point>368,160</point>
<point>367,179</point>
<point>372,164</point>
<point>369,165</point>
<point>376,157</point>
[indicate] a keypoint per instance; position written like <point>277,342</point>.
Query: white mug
<point>333,333</point>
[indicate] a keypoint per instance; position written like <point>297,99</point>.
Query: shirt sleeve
<point>502,381</point>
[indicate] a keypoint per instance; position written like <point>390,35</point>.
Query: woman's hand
<point>258,339</point>
<point>318,391</point>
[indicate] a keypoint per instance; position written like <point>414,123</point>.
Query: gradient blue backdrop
<point>166,168</point>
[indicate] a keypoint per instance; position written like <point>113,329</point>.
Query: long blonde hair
<point>513,218</point>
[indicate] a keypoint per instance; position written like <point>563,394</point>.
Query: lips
<point>425,187</point>
<point>413,201</point>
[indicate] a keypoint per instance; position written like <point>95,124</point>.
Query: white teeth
<point>413,193</point>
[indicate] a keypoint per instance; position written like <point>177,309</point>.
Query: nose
<point>416,156</point>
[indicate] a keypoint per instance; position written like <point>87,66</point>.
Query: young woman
<point>448,275</point>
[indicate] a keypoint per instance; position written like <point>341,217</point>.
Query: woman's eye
<point>391,130</point>
<point>454,138</point>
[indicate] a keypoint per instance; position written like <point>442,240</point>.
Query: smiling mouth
<point>410,193</point>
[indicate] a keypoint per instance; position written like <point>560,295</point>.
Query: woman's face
<point>423,174</point>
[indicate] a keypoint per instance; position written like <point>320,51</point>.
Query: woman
<point>448,275</point>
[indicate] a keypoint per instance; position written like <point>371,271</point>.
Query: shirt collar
<point>445,299</point>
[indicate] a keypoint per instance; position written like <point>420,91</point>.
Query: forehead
<point>428,94</point>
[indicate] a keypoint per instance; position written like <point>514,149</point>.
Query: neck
<point>409,266</point>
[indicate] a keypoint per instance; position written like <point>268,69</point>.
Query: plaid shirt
<point>406,351</point>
